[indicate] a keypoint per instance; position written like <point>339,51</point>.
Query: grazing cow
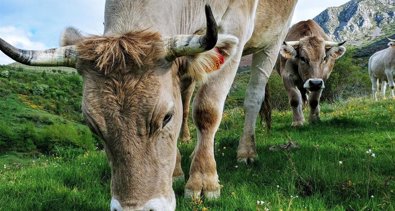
<point>306,61</point>
<point>132,78</point>
<point>382,68</point>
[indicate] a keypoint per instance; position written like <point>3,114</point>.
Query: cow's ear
<point>202,64</point>
<point>336,52</point>
<point>288,52</point>
<point>71,36</point>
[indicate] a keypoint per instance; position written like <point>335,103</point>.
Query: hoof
<point>246,161</point>
<point>185,137</point>
<point>192,194</point>
<point>186,140</point>
<point>212,194</point>
<point>246,152</point>
<point>297,124</point>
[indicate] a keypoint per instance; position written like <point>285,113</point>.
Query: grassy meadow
<point>49,160</point>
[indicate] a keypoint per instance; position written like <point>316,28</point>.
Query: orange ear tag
<point>219,60</point>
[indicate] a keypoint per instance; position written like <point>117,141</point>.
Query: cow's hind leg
<point>383,88</point>
<point>207,113</point>
<point>261,69</point>
<point>187,87</point>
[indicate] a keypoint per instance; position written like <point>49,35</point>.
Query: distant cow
<point>382,69</point>
<point>306,61</point>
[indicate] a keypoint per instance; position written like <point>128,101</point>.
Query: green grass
<point>330,171</point>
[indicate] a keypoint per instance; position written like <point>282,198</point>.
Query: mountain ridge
<point>359,21</point>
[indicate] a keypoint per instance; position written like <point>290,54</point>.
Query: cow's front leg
<point>261,69</point>
<point>314,103</point>
<point>207,113</point>
<point>187,87</point>
<point>390,77</point>
<point>374,87</point>
<point>295,100</point>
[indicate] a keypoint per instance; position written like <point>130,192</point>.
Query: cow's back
<point>269,25</point>
<point>305,28</point>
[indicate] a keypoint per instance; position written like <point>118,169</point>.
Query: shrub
<point>39,89</point>
<point>5,74</point>
<point>347,80</point>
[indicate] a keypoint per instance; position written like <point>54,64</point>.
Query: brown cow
<point>306,62</point>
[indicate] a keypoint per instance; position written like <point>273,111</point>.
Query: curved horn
<point>292,43</point>
<point>391,40</point>
<point>330,44</point>
<point>64,56</point>
<point>187,45</point>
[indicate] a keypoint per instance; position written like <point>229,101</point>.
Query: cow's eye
<point>304,60</point>
<point>167,119</point>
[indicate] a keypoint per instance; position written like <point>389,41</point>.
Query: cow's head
<point>131,99</point>
<point>391,43</point>
<point>315,59</point>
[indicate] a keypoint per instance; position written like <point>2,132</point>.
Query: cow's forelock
<point>110,53</point>
<point>312,48</point>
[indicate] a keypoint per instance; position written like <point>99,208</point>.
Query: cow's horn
<point>292,43</point>
<point>391,40</point>
<point>330,44</point>
<point>64,56</point>
<point>186,45</point>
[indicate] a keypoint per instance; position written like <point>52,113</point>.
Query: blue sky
<point>38,24</point>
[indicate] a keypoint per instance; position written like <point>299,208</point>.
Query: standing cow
<point>306,61</point>
<point>382,69</point>
<point>132,95</point>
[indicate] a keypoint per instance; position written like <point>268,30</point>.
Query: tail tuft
<point>266,109</point>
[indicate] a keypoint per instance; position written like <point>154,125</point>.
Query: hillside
<point>371,48</point>
<point>359,21</point>
<point>50,161</point>
<point>40,113</point>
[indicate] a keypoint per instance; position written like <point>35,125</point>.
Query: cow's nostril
<point>315,83</point>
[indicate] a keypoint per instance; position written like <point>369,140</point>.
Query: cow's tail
<point>266,109</point>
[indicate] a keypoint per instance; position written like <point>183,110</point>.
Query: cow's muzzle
<point>314,84</point>
<point>156,204</point>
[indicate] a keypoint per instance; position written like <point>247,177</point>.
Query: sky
<point>38,24</point>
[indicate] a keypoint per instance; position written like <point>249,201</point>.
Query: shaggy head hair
<point>141,48</point>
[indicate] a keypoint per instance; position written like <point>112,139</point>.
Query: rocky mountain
<point>359,21</point>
